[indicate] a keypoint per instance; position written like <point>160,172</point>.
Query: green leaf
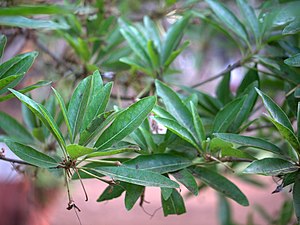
<point>223,91</point>
<point>40,111</point>
<point>250,142</point>
<point>76,151</point>
<point>198,124</point>
<point>179,130</point>
<point>23,22</point>
<point>287,134</point>
<point>174,204</point>
<point>173,38</point>
<point>224,211</point>
<point>229,19</point>
<point>166,192</point>
<point>292,28</point>
<point>64,111</point>
<point>271,167</point>
<point>175,53</point>
<point>296,197</point>
<point>111,192</point>
<point>250,18</point>
<point>3,41</point>
<point>293,60</point>
<point>126,122</point>
<point>78,105</point>
<point>14,129</point>
<point>227,115</point>
<point>175,106</point>
<point>135,176</point>
<point>7,81</point>
<point>153,54</point>
<point>99,98</point>
<point>26,89</point>
<point>187,179</point>
<point>220,184</point>
<point>250,77</point>
<point>133,192</point>
<point>29,118</point>
<point>31,155</point>
<point>112,151</point>
<point>298,121</point>
<point>28,10</point>
<point>152,32</point>
<point>158,163</point>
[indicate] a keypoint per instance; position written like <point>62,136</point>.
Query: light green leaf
<point>14,129</point>
<point>221,184</point>
<point>30,155</point>
<point>293,60</point>
<point>64,111</point>
<point>250,142</point>
<point>158,163</point>
<point>227,115</point>
<point>3,41</point>
<point>126,122</point>
<point>112,151</point>
<point>76,151</point>
<point>26,89</point>
<point>152,32</point>
<point>23,22</point>
<point>250,17</point>
<point>174,204</point>
<point>6,82</point>
<point>166,192</point>
<point>271,167</point>
<point>179,130</point>
<point>229,19</point>
<point>78,105</point>
<point>28,10</point>
<point>135,176</point>
<point>175,53</point>
<point>153,54</point>
<point>198,124</point>
<point>173,38</point>
<point>187,179</point>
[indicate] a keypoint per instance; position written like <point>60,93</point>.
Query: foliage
<point>82,134</point>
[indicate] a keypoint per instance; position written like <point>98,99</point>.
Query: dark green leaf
<point>298,121</point>
<point>6,82</point>
<point>166,192</point>
<point>133,192</point>
<point>112,151</point>
<point>175,53</point>
<point>293,60</point>
<point>250,142</point>
<point>78,105</point>
<point>296,197</point>
<point>23,22</point>
<point>224,211</point>
<point>76,151</point>
<point>198,124</point>
<point>29,118</point>
<point>135,176</point>
<point>271,167</point>
<point>220,184</point>
<point>14,129</point>
<point>286,212</point>
<point>3,41</point>
<point>31,155</point>
<point>250,77</point>
<point>229,19</point>
<point>159,163</point>
<point>152,32</point>
<point>223,90</point>
<point>111,192</point>
<point>187,179</point>
<point>126,122</point>
<point>174,204</point>
<point>227,115</point>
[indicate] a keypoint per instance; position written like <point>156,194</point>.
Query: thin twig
<point>16,161</point>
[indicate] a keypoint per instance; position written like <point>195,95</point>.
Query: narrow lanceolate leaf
<point>229,19</point>
<point>78,104</point>
<point>3,41</point>
<point>126,122</point>
<point>287,134</point>
<point>175,106</point>
<point>111,192</point>
<point>223,91</point>
<point>76,151</point>
<point>296,197</point>
<point>187,179</point>
<point>26,89</point>
<point>293,61</point>
<point>135,176</point>
<point>64,111</point>
<point>7,81</point>
<point>250,17</point>
<point>173,38</point>
<point>271,167</point>
<point>250,142</point>
<point>112,151</point>
<point>226,116</point>
<point>40,111</point>
<point>153,54</point>
<point>159,163</point>
<point>152,32</point>
<point>174,205</point>
<point>179,130</point>
<point>29,118</point>
<point>14,129</point>
<point>30,155</point>
<point>275,111</point>
<point>221,184</point>
<point>298,121</point>
<point>29,10</point>
<point>99,98</point>
<point>198,123</point>
<point>133,193</point>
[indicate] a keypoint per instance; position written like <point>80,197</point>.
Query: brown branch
<point>211,158</point>
<point>15,161</point>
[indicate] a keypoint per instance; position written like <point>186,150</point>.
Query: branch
<point>211,158</point>
<point>15,161</point>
